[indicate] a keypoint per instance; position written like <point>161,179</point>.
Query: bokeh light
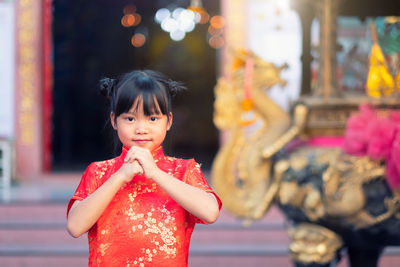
<point>176,12</point>
<point>177,22</point>
<point>138,39</point>
<point>216,41</point>
<point>128,20</point>
<point>187,26</point>
<point>204,17</point>
<point>161,15</point>
<point>129,9</point>
<point>138,19</point>
<point>169,25</point>
<point>143,30</point>
<point>217,22</point>
<point>177,35</point>
<point>214,31</point>
<point>186,15</point>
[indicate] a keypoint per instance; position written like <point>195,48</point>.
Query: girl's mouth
<point>142,141</point>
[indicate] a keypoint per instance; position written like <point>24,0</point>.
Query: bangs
<point>150,103</point>
<point>153,99</point>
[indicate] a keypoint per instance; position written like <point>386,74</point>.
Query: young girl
<point>140,208</point>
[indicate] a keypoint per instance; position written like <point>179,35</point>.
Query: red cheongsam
<point>142,225</point>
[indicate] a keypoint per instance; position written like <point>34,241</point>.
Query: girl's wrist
<point>155,174</point>
<point>120,177</point>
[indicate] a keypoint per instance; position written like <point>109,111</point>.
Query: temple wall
<point>29,89</point>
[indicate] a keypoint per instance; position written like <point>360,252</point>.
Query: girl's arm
<point>201,204</point>
<point>85,213</point>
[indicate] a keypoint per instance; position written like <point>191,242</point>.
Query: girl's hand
<point>145,159</point>
<point>130,169</point>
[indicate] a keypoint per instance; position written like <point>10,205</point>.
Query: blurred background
<point>93,39</point>
<point>54,123</point>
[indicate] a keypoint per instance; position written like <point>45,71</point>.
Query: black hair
<point>153,88</point>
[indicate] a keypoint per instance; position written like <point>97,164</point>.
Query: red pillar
<point>47,83</point>
<point>32,90</point>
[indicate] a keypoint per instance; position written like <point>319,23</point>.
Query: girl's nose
<point>141,131</point>
<point>141,128</point>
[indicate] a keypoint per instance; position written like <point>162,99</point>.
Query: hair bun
<point>175,87</point>
<point>107,87</point>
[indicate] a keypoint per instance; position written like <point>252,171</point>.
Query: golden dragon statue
<point>252,122</point>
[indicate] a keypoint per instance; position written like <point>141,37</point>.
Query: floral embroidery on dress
<point>142,225</point>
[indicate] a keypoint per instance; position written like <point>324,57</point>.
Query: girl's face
<point>135,128</point>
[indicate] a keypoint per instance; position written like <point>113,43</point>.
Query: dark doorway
<point>90,43</point>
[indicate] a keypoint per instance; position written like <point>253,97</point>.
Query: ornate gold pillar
<point>28,113</point>
<point>327,13</point>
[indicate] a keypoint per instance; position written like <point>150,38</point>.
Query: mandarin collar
<point>157,153</point>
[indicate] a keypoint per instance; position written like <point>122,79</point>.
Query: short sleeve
<point>194,176</point>
<point>86,186</point>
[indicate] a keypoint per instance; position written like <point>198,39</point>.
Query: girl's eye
<point>129,118</point>
<point>153,119</point>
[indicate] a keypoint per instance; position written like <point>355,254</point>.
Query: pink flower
<point>395,115</point>
<point>356,139</point>
<point>380,134</point>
